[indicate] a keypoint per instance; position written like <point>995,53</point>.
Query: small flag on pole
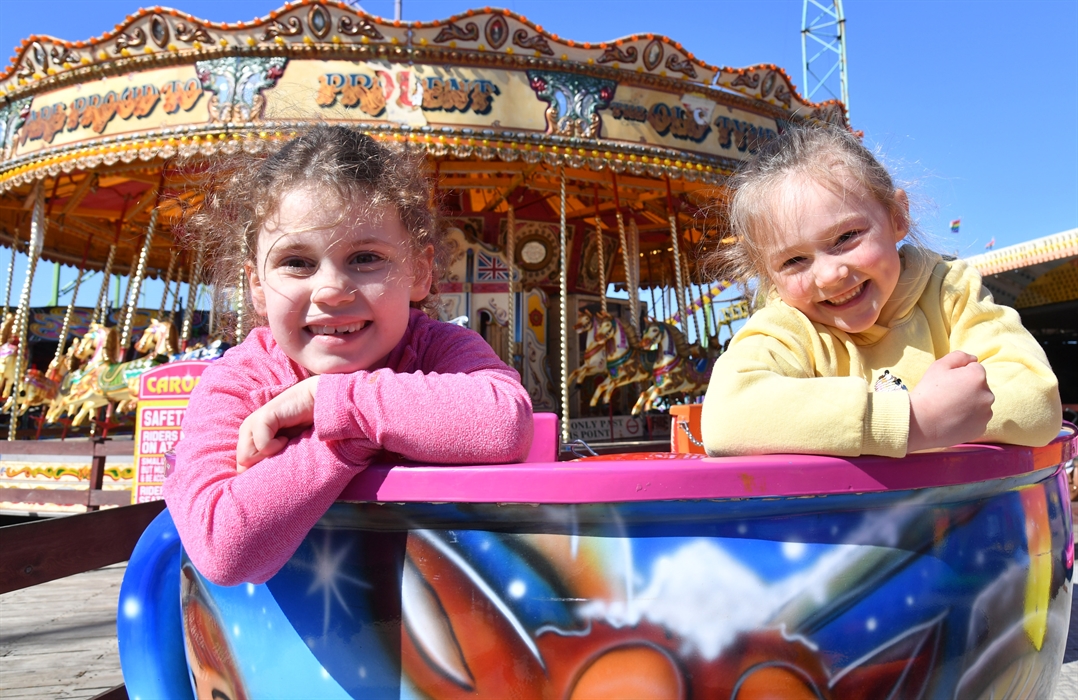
<point>990,244</point>
<point>955,224</point>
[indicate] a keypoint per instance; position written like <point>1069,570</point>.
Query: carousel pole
<point>564,288</point>
<point>37,241</point>
<point>510,255</point>
<point>651,278</point>
<point>602,256</point>
<point>241,302</point>
<point>691,307</point>
<point>168,284</point>
<point>632,282</point>
<point>175,296</point>
<point>679,292</point>
<point>71,305</point>
<point>192,287</point>
<point>100,309</point>
<point>134,284</point>
<point>10,273</point>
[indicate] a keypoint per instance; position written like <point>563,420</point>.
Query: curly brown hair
<point>833,156</point>
<point>246,190</point>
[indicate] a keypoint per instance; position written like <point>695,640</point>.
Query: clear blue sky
<point>974,104</point>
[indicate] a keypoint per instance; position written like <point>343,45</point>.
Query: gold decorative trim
<point>212,139</point>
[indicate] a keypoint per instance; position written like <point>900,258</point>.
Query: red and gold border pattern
<point>309,28</point>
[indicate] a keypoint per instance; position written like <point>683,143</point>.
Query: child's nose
<point>830,272</point>
<point>331,288</point>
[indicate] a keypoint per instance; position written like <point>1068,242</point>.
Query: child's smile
<point>832,255</point>
<point>336,284</point>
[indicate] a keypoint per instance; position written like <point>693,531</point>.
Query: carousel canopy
<point>112,127</point>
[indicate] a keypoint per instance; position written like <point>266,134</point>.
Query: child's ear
<point>901,216</point>
<point>258,295</point>
<point>423,270</point>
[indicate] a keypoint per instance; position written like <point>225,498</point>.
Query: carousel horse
<point>8,348</point>
<point>623,362</point>
<point>41,388</point>
<point>160,341</point>
<point>594,360</point>
<point>674,371</point>
<point>103,380</point>
<point>199,351</point>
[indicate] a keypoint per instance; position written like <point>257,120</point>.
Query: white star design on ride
<point>328,577</point>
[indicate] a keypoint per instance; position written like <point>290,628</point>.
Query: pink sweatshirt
<point>443,397</point>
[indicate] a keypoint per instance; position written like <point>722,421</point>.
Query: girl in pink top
<point>338,246</point>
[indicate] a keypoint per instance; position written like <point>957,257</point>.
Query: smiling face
<point>336,283</point>
<point>831,255</point>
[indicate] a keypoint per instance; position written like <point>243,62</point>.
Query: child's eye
<point>792,262</point>
<point>367,258</point>
<point>847,237</point>
<point>293,263</point>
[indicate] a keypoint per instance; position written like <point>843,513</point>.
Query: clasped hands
<point>265,432</point>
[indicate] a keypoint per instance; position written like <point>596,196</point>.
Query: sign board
<point>628,428</point>
<point>163,395</point>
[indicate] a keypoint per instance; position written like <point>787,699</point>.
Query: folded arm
<point>1027,409</point>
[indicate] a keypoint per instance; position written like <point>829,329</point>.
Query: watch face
<point>533,252</point>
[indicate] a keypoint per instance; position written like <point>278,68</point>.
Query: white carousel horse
<point>623,362</point>
<point>594,360</point>
<point>674,371</point>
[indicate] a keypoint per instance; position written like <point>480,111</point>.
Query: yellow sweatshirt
<point>787,384</point>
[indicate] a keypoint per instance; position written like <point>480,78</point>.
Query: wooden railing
<point>96,448</point>
<point>46,550</point>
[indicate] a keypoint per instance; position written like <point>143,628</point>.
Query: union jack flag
<point>490,268</point>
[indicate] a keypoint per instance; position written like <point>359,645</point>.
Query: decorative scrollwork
<point>291,27</point>
<point>536,43</point>
<point>615,53</point>
<point>573,101</point>
<point>361,25</point>
<point>681,65</point>
<point>131,40</point>
<point>192,34</point>
<point>159,31</point>
<point>61,55</point>
<point>749,80</point>
<point>783,95</point>
<point>39,55</point>
<point>319,21</point>
<point>452,32</point>
<point>26,69</point>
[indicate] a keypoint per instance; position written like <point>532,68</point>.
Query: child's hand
<point>951,404</point>
<point>265,432</point>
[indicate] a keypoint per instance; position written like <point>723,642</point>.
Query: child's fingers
<point>957,359</point>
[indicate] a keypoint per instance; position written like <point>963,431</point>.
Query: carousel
<point>561,168</point>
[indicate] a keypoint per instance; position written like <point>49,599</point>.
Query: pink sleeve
<point>455,402</point>
<point>244,527</point>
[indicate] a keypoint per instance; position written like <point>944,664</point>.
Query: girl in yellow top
<point>861,347</point>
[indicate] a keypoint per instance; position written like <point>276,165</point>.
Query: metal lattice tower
<point>823,51</point>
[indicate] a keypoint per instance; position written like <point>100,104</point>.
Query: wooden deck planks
<point>58,639</point>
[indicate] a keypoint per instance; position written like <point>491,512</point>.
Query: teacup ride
<point>943,574</point>
<point>675,371</point>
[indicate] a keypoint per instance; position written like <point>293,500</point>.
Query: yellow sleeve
<point>1026,410</point>
<point>764,398</point>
